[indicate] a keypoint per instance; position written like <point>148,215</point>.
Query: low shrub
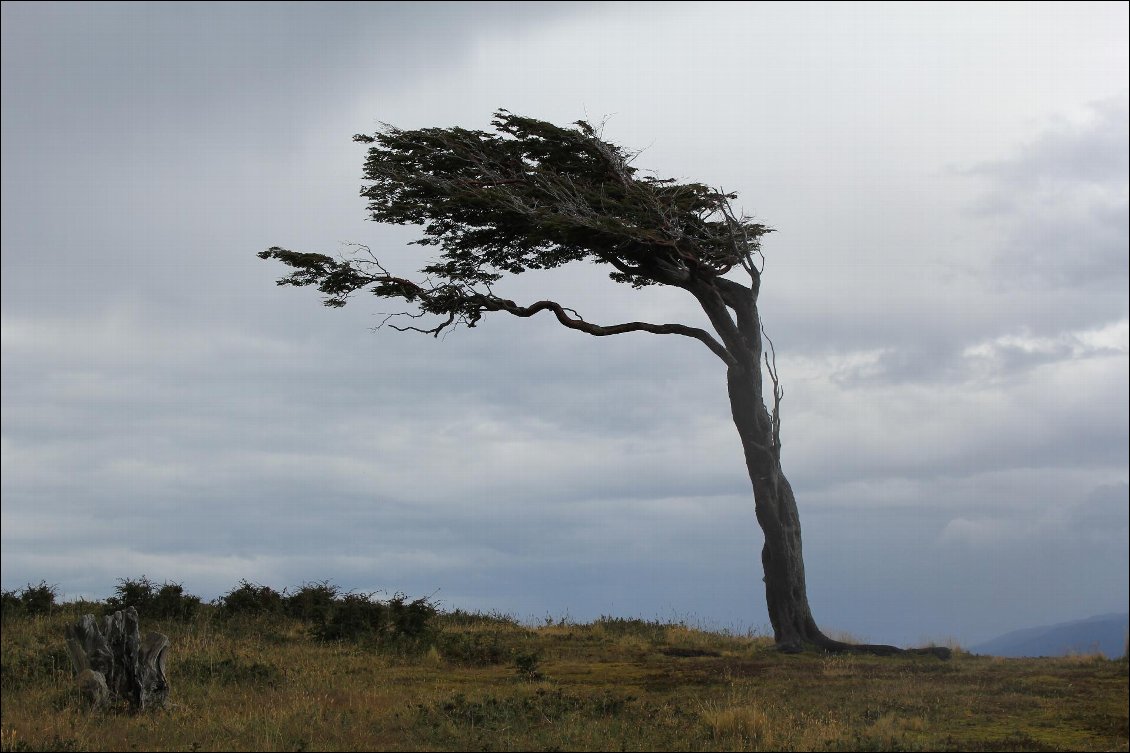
<point>313,602</point>
<point>251,600</point>
<point>526,665</point>
<point>463,619</point>
<point>361,616</point>
<point>9,604</point>
<point>473,649</point>
<point>30,600</point>
<point>167,601</point>
<point>353,617</point>
<point>410,619</point>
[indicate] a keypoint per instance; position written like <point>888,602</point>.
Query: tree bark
<point>112,663</point>
<point>782,556</point>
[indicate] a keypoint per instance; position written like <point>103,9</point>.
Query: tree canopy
<point>531,195</point>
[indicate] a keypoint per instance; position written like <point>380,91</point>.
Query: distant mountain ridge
<point>1104,633</point>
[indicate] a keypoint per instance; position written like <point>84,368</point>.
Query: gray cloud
<point>1062,202</point>
<point>952,426</point>
<point>1091,153</point>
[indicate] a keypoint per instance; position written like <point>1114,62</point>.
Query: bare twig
<point>778,391</point>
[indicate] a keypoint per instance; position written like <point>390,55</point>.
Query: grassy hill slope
<point>478,682</point>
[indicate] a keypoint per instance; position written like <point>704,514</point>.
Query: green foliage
<point>474,649</point>
<point>165,601</point>
<point>475,639</point>
<point>535,195</point>
<point>251,600</point>
<point>531,195</point>
<point>358,616</point>
<point>10,604</point>
<point>462,619</point>
<point>172,602</point>
<point>526,664</point>
<point>29,600</point>
<point>410,619</point>
<point>313,602</point>
<point>354,616</point>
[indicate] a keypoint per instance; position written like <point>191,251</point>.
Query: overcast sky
<point>947,290</point>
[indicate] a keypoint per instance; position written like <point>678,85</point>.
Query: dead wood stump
<point>113,664</point>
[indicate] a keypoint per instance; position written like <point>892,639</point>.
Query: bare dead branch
<point>778,391</point>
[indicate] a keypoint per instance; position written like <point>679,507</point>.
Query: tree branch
<point>600,331</point>
<point>778,392</point>
<point>456,303</point>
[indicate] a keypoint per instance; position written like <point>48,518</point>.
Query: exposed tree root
<point>828,645</point>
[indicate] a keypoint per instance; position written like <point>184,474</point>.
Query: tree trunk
<point>113,664</point>
<point>782,556</point>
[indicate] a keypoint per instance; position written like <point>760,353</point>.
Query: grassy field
<point>476,682</point>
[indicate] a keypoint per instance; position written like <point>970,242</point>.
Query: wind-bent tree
<point>533,195</point>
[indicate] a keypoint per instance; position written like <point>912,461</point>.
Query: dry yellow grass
<point>612,685</point>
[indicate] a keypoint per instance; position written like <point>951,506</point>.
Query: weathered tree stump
<point>113,664</point>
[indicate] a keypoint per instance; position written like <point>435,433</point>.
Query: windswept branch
<point>453,303</point>
<point>595,329</point>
